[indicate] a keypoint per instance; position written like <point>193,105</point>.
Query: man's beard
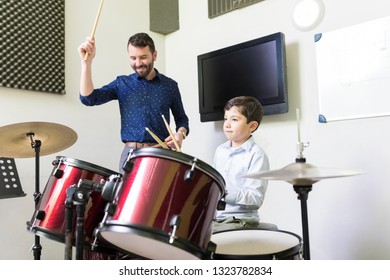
<point>145,70</point>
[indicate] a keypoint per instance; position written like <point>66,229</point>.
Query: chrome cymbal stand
<point>36,145</point>
<point>303,195</point>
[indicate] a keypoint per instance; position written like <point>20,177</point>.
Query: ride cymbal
<point>301,174</point>
<point>15,140</point>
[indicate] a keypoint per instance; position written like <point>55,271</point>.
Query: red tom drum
<point>165,206</point>
<point>49,217</point>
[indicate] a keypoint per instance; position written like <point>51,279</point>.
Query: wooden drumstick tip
<point>171,134</point>
<point>95,25</point>
<point>155,137</point>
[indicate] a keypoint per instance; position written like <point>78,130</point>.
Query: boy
<point>237,157</point>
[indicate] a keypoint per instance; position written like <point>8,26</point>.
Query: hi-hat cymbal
<point>302,174</point>
<point>16,142</point>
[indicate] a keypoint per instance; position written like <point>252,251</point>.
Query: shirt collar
<point>247,145</point>
<point>158,75</point>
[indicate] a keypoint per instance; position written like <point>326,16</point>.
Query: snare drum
<point>165,206</point>
<point>257,244</point>
<point>49,217</point>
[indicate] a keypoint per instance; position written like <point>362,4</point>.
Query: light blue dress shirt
<point>244,195</point>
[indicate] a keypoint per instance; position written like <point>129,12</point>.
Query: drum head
<point>256,244</point>
<point>149,243</point>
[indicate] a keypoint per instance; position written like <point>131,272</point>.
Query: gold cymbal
<point>302,174</point>
<point>16,142</point>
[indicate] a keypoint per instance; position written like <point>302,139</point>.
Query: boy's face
<point>236,127</point>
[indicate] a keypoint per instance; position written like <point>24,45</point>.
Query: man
<point>143,96</point>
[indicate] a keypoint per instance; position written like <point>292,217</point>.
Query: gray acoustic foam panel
<point>32,45</point>
<point>164,16</point>
<point>220,7</point>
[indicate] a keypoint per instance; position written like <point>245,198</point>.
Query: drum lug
<point>175,223</point>
<point>189,174</point>
<point>221,205</point>
<point>40,215</point>
<point>110,187</point>
<point>110,209</point>
<point>58,173</point>
<point>128,166</point>
<point>211,247</point>
<point>300,253</point>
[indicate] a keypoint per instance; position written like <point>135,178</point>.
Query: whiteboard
<point>353,71</point>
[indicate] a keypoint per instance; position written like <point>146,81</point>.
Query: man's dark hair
<point>141,40</point>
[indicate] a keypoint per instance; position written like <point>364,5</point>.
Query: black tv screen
<point>256,68</point>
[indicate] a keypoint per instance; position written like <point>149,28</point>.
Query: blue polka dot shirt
<point>142,104</point>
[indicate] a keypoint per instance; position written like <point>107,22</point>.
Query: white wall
<point>347,216</point>
<point>97,128</point>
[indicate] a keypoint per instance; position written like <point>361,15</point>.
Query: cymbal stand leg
<point>80,208</point>
<point>36,145</point>
<point>303,194</point>
<point>69,222</point>
<point>80,199</point>
<point>75,195</point>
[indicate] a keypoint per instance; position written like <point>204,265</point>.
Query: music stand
<point>9,179</point>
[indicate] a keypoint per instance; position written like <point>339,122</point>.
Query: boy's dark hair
<point>249,106</point>
<point>141,40</point>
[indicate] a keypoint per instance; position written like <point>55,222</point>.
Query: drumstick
<point>158,145</point>
<point>155,137</point>
<point>95,25</point>
<point>171,133</point>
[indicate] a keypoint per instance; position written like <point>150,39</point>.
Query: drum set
<point>161,207</point>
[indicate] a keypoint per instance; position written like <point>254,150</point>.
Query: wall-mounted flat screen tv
<point>256,68</point>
